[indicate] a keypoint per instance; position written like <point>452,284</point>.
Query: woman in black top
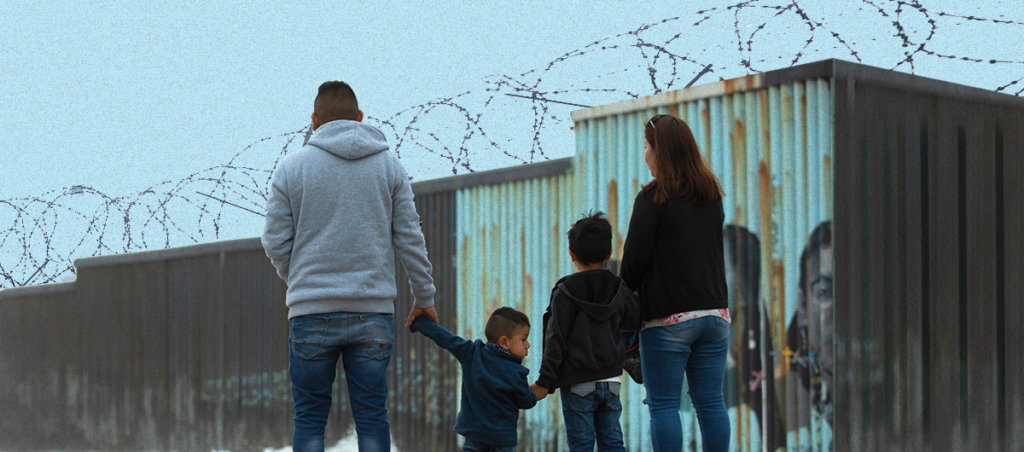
<point>673,258</point>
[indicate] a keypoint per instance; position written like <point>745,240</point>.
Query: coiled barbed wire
<point>510,119</point>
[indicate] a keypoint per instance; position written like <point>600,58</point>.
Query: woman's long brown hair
<point>679,171</point>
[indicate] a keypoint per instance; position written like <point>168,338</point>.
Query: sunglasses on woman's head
<point>653,119</point>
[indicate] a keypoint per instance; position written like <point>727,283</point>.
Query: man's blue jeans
<point>697,348</point>
<point>364,343</point>
<point>591,411</point>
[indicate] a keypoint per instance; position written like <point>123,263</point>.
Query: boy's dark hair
<point>336,100</point>
<point>503,322</point>
<point>590,239</point>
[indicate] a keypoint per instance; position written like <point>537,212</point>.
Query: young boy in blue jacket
<point>494,385</point>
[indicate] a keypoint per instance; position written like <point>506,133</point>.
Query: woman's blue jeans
<point>698,349</point>
<point>364,343</point>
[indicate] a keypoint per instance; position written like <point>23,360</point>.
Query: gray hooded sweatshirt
<point>339,209</point>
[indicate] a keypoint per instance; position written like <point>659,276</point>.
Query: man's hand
<point>416,312</point>
<point>539,391</point>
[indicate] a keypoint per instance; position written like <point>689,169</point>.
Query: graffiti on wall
<point>788,386</point>
<point>255,389</point>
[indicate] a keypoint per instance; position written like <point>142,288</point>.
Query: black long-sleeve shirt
<point>673,256</point>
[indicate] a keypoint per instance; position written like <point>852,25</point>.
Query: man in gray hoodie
<point>339,209</point>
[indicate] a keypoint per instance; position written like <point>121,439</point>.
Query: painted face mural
<point>787,384</point>
<point>810,334</point>
<point>751,384</point>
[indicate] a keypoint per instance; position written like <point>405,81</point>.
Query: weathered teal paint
<point>510,244</point>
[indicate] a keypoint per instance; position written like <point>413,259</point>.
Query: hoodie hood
<point>350,140</point>
<point>600,287</point>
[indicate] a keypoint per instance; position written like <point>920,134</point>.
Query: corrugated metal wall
<point>770,147</point>
<point>422,378</point>
<point>926,350</point>
<point>181,349</point>
<point>187,349</point>
<point>929,209</point>
<point>510,251</point>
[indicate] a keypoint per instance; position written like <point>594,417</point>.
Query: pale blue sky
<point>142,106</point>
<point>118,95</point>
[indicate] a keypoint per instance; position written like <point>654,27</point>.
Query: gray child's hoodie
<point>338,210</point>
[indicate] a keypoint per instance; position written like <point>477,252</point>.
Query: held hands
<point>416,312</point>
<point>539,391</point>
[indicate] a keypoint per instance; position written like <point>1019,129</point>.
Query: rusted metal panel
<point>771,149</point>
<point>736,124</point>
<point>925,197</point>
<point>506,234</point>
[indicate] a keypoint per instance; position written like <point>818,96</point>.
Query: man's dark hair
<point>590,239</point>
<point>503,322</point>
<point>336,100</point>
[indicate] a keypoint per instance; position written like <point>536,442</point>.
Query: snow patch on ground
<point>346,444</point>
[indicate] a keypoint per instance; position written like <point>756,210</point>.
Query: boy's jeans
<point>698,349</point>
<point>592,411</point>
<point>473,446</point>
<point>364,343</point>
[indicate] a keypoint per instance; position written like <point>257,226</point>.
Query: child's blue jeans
<point>591,412</point>
<point>473,446</point>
